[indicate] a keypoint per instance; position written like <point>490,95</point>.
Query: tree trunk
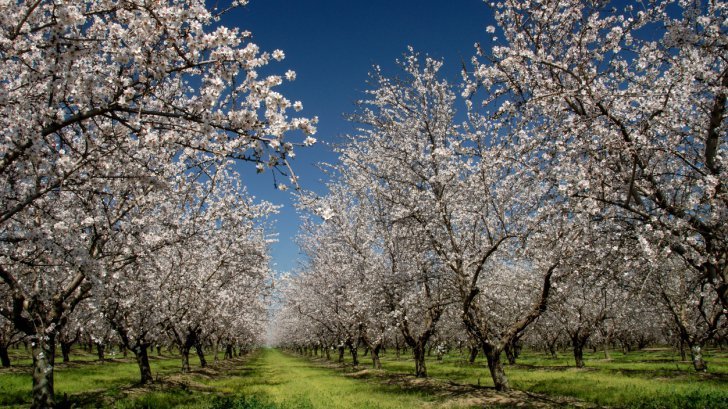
<point>578,353</point>
<point>66,350</point>
<point>510,354</point>
<point>341,354</point>
<point>4,357</point>
<point>328,352</point>
<point>552,348</point>
<point>43,348</point>
<point>683,354</point>
<point>100,349</point>
<point>185,351</point>
<point>500,380</point>
<point>140,351</point>
<point>354,354</point>
<point>473,354</point>
<point>376,363</point>
<point>696,355</point>
<point>418,352</point>
<point>200,354</point>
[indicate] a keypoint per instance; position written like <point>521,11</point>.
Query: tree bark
<point>200,354</point>
<point>696,355</point>
<point>43,348</point>
<point>500,380</point>
<point>142,358</point>
<point>376,363</point>
<point>418,352</point>
<point>4,357</point>
<point>354,354</point>
<point>473,354</point>
<point>100,349</point>
<point>510,354</point>
<point>578,353</point>
<point>66,350</point>
<point>341,354</point>
<point>185,352</point>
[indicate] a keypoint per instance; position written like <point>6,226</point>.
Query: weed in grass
<point>255,402</point>
<point>156,400</point>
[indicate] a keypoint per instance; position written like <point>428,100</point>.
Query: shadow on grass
<point>448,391</point>
<point>167,391</point>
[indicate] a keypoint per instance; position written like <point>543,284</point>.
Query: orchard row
<point>571,189</point>
<point>123,216</point>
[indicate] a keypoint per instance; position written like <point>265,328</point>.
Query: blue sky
<point>332,45</point>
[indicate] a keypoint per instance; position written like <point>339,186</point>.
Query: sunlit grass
<point>650,378</point>
<point>269,377</point>
<point>84,375</point>
<point>272,379</point>
<point>293,382</point>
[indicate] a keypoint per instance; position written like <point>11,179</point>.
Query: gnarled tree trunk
<point>578,344</point>
<point>200,354</point>
<point>341,353</point>
<point>185,352</point>
<point>142,358</point>
<point>696,355</point>
<point>418,352</point>
<point>43,348</point>
<point>354,354</point>
<point>376,362</point>
<point>500,380</point>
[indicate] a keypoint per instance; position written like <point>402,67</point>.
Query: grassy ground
<point>272,379</point>
<point>292,382</point>
<point>653,378</point>
<point>85,380</point>
<point>267,379</point>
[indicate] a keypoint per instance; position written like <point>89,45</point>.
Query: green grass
<point>647,379</point>
<point>292,382</point>
<point>84,379</point>
<point>267,379</point>
<point>272,379</point>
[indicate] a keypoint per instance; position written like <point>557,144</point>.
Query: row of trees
<point>122,212</point>
<point>581,189</point>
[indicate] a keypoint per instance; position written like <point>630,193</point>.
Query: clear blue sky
<point>332,45</point>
